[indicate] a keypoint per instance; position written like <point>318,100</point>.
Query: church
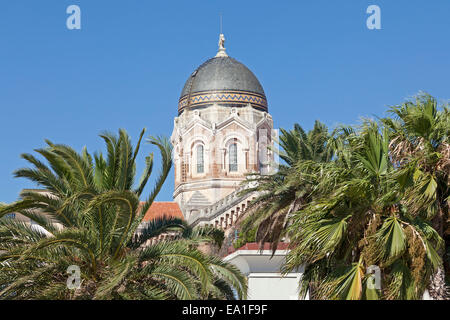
<point>223,132</point>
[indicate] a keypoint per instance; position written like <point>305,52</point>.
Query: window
<point>233,158</point>
<point>200,160</point>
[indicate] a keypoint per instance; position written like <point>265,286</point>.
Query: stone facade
<point>215,147</point>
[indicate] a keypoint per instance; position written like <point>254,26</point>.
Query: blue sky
<point>126,67</point>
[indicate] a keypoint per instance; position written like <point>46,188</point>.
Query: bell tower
<point>222,125</point>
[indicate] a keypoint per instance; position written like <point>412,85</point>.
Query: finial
<point>221,52</point>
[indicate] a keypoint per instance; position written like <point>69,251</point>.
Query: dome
<point>222,80</point>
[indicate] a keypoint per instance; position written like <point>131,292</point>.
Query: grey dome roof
<point>223,75</point>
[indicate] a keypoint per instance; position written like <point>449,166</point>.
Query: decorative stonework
<point>221,52</point>
<point>222,133</point>
<point>227,97</point>
<point>216,129</point>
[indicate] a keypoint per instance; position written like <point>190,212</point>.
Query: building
<point>223,132</point>
<point>262,270</point>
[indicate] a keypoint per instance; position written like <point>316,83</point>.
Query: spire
<point>221,52</point>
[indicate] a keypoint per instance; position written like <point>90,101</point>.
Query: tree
<point>356,219</point>
<point>289,189</point>
<point>87,215</point>
<point>371,196</point>
<point>420,149</point>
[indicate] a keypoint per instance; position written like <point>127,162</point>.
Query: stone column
<point>227,220</point>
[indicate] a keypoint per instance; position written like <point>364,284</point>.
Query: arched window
<point>200,159</point>
<point>233,158</point>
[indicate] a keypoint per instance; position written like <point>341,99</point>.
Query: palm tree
<point>87,217</point>
<point>370,197</point>
<point>420,149</point>
<point>287,190</point>
<point>356,219</point>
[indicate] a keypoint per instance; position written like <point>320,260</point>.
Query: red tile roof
<point>163,209</point>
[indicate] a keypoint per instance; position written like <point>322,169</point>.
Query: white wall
<point>272,286</point>
<point>263,273</point>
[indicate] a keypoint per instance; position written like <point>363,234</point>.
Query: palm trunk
<point>437,287</point>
